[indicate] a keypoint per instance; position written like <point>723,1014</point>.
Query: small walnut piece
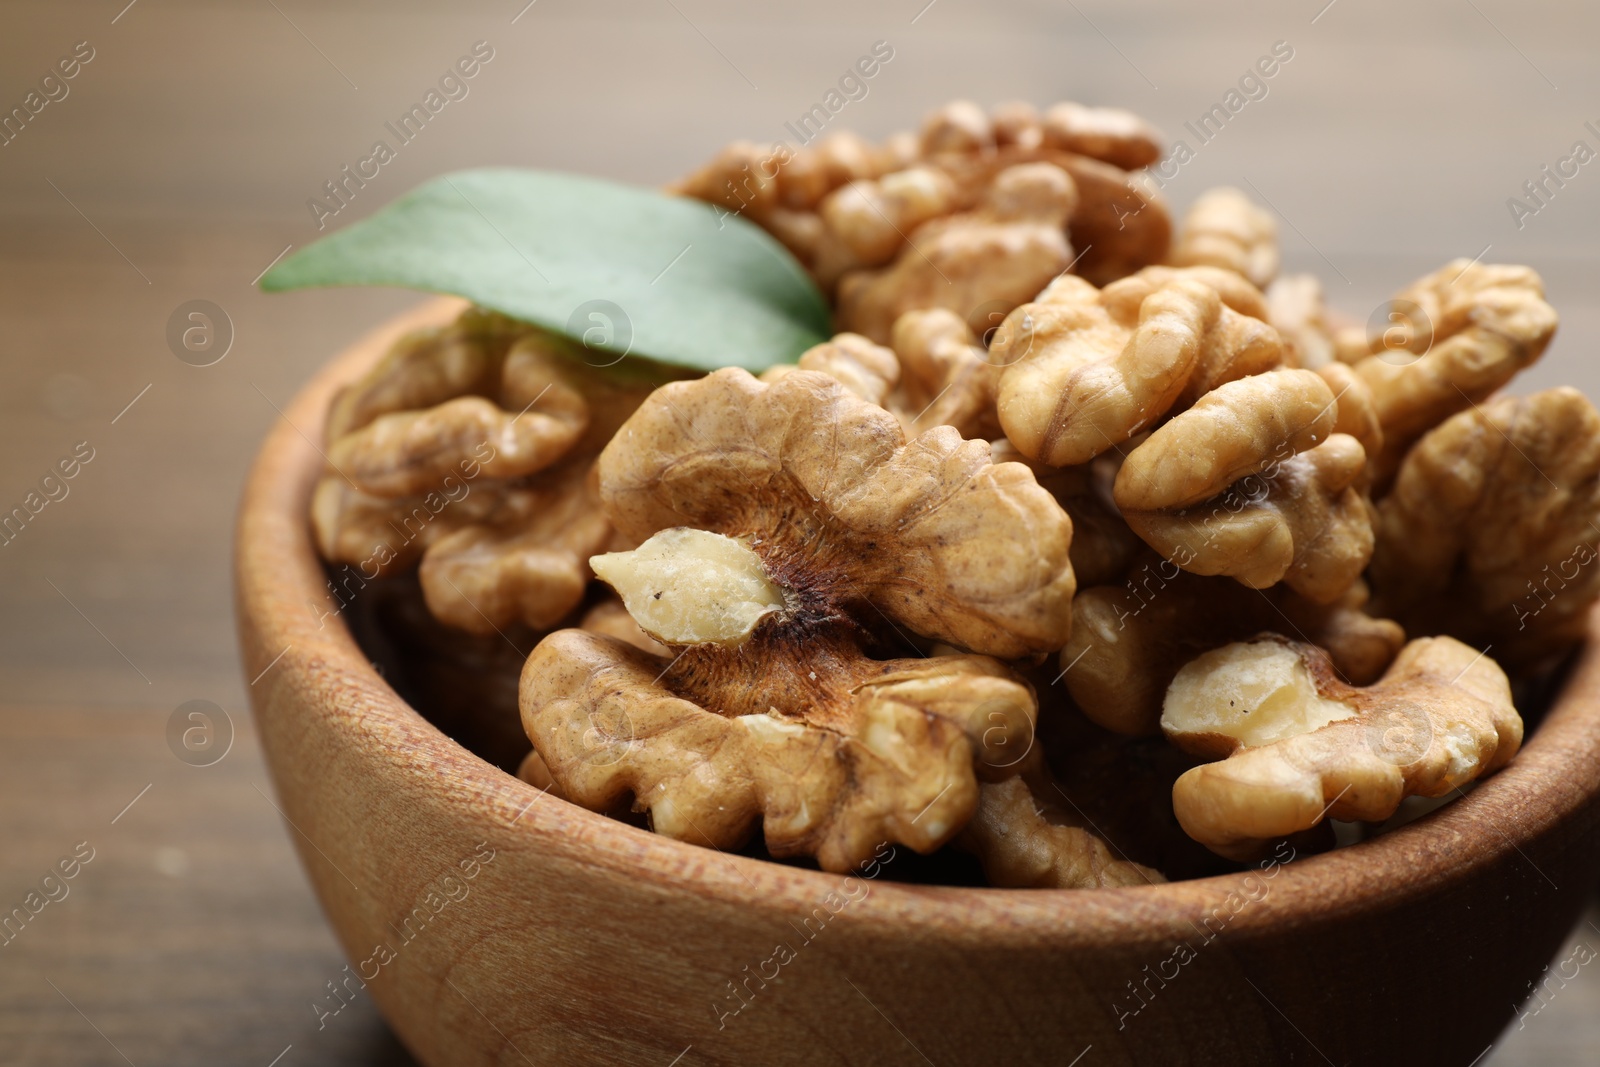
<point>1109,134</point>
<point>1490,531</point>
<point>1300,745</point>
<point>789,529</point>
<point>936,373</point>
<point>1462,332</point>
<point>691,587</point>
<point>1003,252</point>
<point>1250,482</point>
<point>1226,229</point>
<point>1026,841</point>
<point>1088,369</point>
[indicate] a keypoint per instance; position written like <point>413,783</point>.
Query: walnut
<point>483,577</point>
<point>1108,134</point>
<point>1026,838</point>
<point>1251,482</point>
<point>811,173</point>
<point>1003,251</point>
<point>1300,745</point>
<point>936,373</point>
<point>1088,369</point>
<point>1226,229</point>
<point>1461,333</point>
<point>866,223</point>
<point>485,479</point>
<point>1489,533</point>
<point>1103,547</point>
<point>787,531</point>
<point>1129,639</point>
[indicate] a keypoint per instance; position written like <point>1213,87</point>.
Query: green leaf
<point>552,249</point>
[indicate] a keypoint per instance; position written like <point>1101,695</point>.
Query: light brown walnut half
<point>931,531</point>
<point>1026,838</point>
<point>1461,333</point>
<point>1225,228</point>
<point>1002,252</point>
<point>789,532</point>
<point>484,480</point>
<point>428,367</point>
<point>1087,369</point>
<point>1490,531</point>
<point>1295,745</point>
<point>1252,483</point>
<point>1129,639</point>
<point>536,411</point>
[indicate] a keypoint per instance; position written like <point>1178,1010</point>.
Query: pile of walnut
<point>1081,543</point>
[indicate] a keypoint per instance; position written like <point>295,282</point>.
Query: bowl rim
<point>1556,773</point>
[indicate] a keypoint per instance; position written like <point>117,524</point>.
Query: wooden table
<point>179,165</point>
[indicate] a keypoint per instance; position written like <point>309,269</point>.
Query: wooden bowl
<point>587,941</point>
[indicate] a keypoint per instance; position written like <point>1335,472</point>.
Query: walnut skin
<point>1250,482</point>
<point>1226,229</point>
<point>778,715</point>
<point>1489,533</point>
<point>1468,329</point>
<point>1300,745</point>
<point>1129,639</point>
<point>1002,252</point>
<point>1087,369</point>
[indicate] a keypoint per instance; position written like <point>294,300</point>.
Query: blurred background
<point>175,165</point>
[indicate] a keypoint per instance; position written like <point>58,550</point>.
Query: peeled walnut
<point>936,373</point>
<point>484,480</point>
<point>482,578</point>
<point>1251,482</point>
<point>1129,639</point>
<point>786,531</point>
<point>1489,533</point>
<point>1002,252</point>
<point>1026,835</point>
<point>428,367</point>
<point>1461,333</point>
<point>1087,369</point>
<point>1108,134</point>
<point>1300,745</point>
<point>866,223</point>
<point>1226,229</point>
